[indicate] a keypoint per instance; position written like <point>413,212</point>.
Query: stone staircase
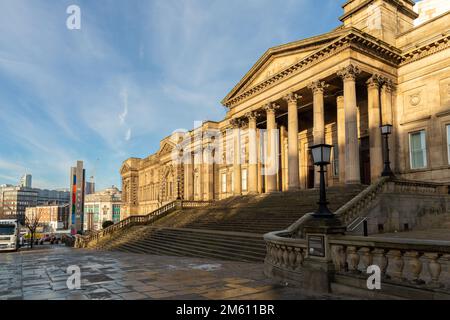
<point>231,229</point>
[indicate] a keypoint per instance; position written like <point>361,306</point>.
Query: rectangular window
<point>244,180</point>
<point>224,183</point>
<point>418,150</point>
<point>448,143</point>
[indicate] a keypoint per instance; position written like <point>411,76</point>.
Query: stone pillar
<point>189,177</point>
<point>387,116</point>
<point>252,175</point>
<point>271,165</point>
<point>341,137</point>
<point>318,88</point>
<point>373,108</point>
<point>260,162</point>
<point>282,174</point>
<point>208,160</point>
<point>198,170</point>
<point>352,163</point>
<point>237,161</point>
<point>293,158</point>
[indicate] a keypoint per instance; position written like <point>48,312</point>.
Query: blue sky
<point>134,73</point>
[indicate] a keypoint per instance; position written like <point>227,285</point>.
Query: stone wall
<point>397,210</point>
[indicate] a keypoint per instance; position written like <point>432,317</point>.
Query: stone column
<point>252,153</point>
<point>341,137</point>
<point>237,163</point>
<point>259,166</point>
<point>293,159</point>
<point>282,175</point>
<point>208,160</point>
<point>189,177</point>
<point>387,116</point>
<point>373,108</point>
<point>271,165</point>
<point>198,168</point>
<point>352,164</point>
<point>318,88</point>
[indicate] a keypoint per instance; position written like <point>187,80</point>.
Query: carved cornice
<point>426,50</point>
<point>349,72</point>
<point>318,87</point>
<point>354,40</point>
<point>292,98</point>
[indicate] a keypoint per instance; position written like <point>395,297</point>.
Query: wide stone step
<point>197,254</point>
<point>240,229</point>
<point>195,246</point>
<point>253,244</point>
<point>184,249</point>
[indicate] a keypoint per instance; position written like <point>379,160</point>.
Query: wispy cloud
<point>135,72</point>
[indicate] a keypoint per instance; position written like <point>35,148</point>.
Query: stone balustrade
<point>407,186</point>
<point>84,241</point>
<point>419,263</point>
<point>195,204</point>
<point>286,253</point>
<point>354,207</point>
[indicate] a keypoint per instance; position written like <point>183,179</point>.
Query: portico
<point>336,88</point>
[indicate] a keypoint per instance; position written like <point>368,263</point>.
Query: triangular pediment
<point>275,65</point>
<point>124,169</point>
<point>166,147</point>
<point>280,58</point>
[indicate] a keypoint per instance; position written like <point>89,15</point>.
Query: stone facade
<point>100,207</point>
<point>336,88</point>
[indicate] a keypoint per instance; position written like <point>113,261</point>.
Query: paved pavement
<point>41,275</point>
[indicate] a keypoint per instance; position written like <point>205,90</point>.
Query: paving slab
<point>42,275</point>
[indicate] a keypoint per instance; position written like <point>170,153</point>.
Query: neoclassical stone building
<point>377,68</point>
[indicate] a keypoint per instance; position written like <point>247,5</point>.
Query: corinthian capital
<point>235,123</point>
<point>375,81</point>
<point>252,115</point>
<point>318,86</point>
<point>271,107</point>
<point>349,73</point>
<point>388,85</point>
<point>292,97</point>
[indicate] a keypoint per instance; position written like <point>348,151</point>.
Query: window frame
<point>424,149</point>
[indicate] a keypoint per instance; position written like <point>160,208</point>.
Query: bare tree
<point>32,222</point>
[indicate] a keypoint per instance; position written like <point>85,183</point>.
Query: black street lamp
<point>386,130</point>
<point>321,156</point>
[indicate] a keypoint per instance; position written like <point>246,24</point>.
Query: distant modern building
<point>14,201</point>
<point>26,181</point>
<point>51,197</point>
<point>100,207</point>
<point>52,217</point>
<point>77,192</point>
<point>90,187</point>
